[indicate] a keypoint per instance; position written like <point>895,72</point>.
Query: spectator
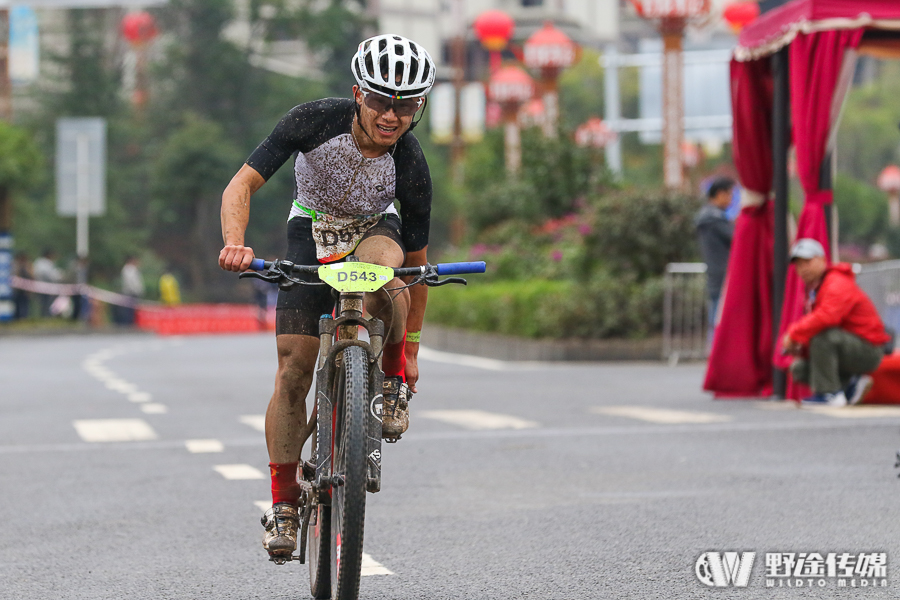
<point>715,232</point>
<point>169,292</point>
<point>22,299</point>
<point>840,339</point>
<point>45,270</point>
<point>132,286</point>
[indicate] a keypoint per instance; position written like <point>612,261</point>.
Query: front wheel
<point>348,501</point>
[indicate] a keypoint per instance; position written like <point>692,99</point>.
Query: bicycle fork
<point>345,326</point>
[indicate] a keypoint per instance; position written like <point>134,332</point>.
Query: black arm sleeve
<point>413,192</point>
<point>302,129</point>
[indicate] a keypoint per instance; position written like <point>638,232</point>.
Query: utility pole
<point>457,147</point>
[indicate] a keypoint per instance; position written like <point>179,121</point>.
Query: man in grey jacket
<point>715,233</point>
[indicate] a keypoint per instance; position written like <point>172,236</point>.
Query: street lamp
<point>139,28</point>
<point>549,50</point>
<point>672,17</point>
<point>889,181</point>
<point>494,28</point>
<point>510,87</point>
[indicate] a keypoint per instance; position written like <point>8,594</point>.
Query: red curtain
<point>816,60</point>
<point>740,360</point>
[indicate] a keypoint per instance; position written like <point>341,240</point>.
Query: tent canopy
<point>777,28</point>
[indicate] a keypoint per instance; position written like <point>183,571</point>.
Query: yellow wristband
<point>413,336</point>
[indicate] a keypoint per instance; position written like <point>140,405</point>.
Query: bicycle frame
<point>334,336</point>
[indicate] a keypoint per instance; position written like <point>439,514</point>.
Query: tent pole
<point>781,139</point>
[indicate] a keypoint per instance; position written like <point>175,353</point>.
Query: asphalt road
<point>515,481</point>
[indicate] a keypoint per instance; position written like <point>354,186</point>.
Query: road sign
<point>80,166</point>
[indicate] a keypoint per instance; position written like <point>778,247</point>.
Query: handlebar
<point>280,272</point>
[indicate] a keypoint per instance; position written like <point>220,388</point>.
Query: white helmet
<point>394,66</point>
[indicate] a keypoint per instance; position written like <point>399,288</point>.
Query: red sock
<point>285,486</point>
<point>393,360</point>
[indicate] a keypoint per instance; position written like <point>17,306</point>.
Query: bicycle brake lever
<point>258,275</point>
<point>448,280</point>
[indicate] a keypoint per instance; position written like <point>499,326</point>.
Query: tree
<point>187,186</point>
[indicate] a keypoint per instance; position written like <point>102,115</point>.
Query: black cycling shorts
<point>298,310</point>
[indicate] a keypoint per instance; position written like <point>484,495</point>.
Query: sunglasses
<point>382,104</point>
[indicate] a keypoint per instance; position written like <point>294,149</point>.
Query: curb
<point>504,347</point>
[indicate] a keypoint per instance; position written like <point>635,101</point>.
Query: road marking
<point>263,505</point>
<point>239,472</point>
<point>479,362</point>
<point>121,386</point>
<point>154,408</point>
<point>477,419</point>
<point>371,567</point>
<point>114,430</point>
<point>855,412</point>
<point>140,397</point>
<point>660,415</point>
<point>257,422</point>
<point>199,446</point>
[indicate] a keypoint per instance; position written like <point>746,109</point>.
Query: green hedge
<point>604,307</point>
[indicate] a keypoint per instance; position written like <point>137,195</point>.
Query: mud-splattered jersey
<point>332,176</point>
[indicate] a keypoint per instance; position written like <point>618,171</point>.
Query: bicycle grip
<point>460,268</point>
<point>257,264</point>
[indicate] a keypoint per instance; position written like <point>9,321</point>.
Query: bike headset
<point>405,70</point>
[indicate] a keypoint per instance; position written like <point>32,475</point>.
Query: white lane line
<point>114,430</point>
<point>660,415</point>
<point>154,408</point>
<point>371,567</point>
<point>263,505</point>
<point>93,365</point>
<point>854,412</point>
<point>479,362</point>
<point>121,386</point>
<point>257,422</point>
<point>239,472</point>
<point>477,419</point>
<point>200,446</point>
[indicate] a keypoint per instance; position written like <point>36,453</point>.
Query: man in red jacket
<point>840,338</point>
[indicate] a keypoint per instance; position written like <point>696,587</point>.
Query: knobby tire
<point>348,502</point>
<point>318,554</point>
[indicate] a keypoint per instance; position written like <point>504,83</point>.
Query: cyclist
<point>354,157</point>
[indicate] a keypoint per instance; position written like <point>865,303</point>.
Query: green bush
<point>862,210</point>
<point>604,307</point>
<point>637,232</point>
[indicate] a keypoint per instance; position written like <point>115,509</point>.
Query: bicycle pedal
<point>390,439</point>
<point>280,560</point>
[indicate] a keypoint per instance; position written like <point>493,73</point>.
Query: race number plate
<point>355,276</point>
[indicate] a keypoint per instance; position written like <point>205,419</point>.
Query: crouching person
<point>840,338</point>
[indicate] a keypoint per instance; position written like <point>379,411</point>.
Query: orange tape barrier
<point>204,318</point>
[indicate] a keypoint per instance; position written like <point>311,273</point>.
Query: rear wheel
<point>348,501</point>
<point>318,555</point>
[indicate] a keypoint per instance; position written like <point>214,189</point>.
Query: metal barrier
<point>685,320</point>
<point>881,282</point>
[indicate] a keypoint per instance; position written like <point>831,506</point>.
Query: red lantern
<point>889,180</point>
<point>549,48</point>
<point>511,85</point>
<point>494,28</point>
<point>139,28</point>
<point>740,14</point>
<point>670,9</point>
<point>594,133</point>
